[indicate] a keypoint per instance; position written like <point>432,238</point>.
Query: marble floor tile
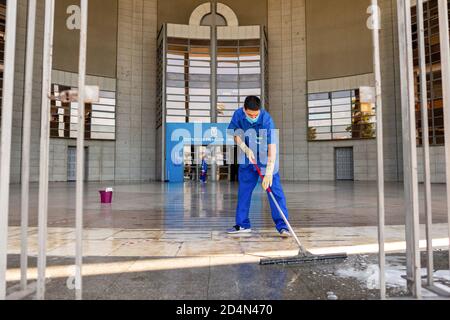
<point>146,248</point>
<point>137,234</point>
<point>210,248</point>
<point>94,248</point>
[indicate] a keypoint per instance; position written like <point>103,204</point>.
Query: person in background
<point>204,170</point>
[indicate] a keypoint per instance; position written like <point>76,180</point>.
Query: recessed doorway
<point>344,165</point>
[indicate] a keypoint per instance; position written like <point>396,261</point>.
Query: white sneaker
<point>285,233</point>
<point>238,230</point>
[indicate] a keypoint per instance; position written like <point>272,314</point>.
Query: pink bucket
<point>106,197</point>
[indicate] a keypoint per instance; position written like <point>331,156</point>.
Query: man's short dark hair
<point>252,103</point>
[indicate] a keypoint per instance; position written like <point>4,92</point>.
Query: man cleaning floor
<point>257,125</point>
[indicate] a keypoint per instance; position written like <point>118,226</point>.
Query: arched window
<point>207,20</point>
<point>202,16</point>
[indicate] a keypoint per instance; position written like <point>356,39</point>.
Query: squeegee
<point>304,256</point>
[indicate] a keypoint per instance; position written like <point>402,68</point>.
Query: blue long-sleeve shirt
<point>258,136</point>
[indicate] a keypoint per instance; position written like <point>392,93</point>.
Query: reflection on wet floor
<point>211,207</point>
<point>168,240</point>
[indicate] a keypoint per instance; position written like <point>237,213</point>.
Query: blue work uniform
<point>248,176</point>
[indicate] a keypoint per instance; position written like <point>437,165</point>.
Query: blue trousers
<point>248,179</point>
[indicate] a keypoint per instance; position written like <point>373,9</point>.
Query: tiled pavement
<point>168,241</point>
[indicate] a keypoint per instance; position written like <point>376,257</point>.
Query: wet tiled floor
<point>161,241</point>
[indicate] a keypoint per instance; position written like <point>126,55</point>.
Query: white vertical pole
<point>380,160</point>
<point>28,97</point>
<point>214,166</point>
<point>445,62</point>
<point>80,150</point>
<point>6,132</point>
<point>425,138</point>
<point>44,146</point>
<point>414,229</point>
<point>409,148</point>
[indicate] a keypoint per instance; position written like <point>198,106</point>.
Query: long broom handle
<point>269,191</point>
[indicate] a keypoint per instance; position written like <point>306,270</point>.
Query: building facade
<point>307,59</point>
